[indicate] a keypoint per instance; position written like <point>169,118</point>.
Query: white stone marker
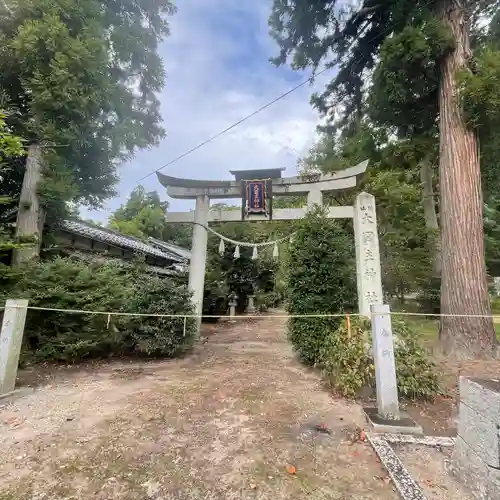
<point>251,304</point>
<point>11,338</point>
<point>385,365</point>
<point>232,306</point>
<point>199,254</point>
<point>368,273</point>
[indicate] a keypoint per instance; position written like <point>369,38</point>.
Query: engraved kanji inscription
<point>369,254</point>
<point>368,238</point>
<point>367,214</point>
<point>370,273</point>
<point>371,297</point>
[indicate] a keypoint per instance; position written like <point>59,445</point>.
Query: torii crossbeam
<point>268,183</point>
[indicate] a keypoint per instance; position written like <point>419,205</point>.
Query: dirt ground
<point>427,467</point>
<point>439,417</point>
<point>224,422</point>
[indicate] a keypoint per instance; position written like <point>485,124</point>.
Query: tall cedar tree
<point>351,36</point>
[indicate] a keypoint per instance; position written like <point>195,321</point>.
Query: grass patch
<point>427,328</point>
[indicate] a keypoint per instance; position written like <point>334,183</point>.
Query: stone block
<point>480,434</point>
<point>470,470</point>
<point>483,396</point>
<point>403,425</point>
<point>493,486</point>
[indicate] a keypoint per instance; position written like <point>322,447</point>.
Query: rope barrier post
<point>232,306</point>
<point>386,417</point>
<point>385,364</point>
<point>11,338</point>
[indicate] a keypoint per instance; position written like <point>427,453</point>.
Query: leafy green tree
<point>10,146</point>
<point>81,79</point>
<point>143,216</point>
<point>320,281</point>
<point>433,40</point>
<point>406,244</point>
<point>93,286</point>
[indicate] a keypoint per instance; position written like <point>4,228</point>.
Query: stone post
<point>387,416</point>
<point>368,273</point>
<point>199,254</point>
<point>314,197</point>
<point>385,365</point>
<point>476,458</point>
<point>232,305</point>
<point>251,304</point>
<point>11,338</point>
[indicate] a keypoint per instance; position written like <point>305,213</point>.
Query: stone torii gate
<point>363,212</point>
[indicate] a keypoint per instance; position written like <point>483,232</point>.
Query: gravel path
<point>223,423</point>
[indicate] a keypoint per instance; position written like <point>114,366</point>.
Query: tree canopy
<point>82,79</point>
<point>422,73</point>
<point>143,216</point>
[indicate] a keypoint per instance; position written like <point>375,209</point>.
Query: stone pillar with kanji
<point>368,272</point>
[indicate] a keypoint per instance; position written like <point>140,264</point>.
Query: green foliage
<point>405,86</point>
<point>243,276</point>
<point>149,334</point>
<point>343,358</point>
<point>480,99</point>
<point>71,337</point>
<point>268,300</point>
<point>11,145</point>
<point>430,296</point>
<point>320,280</point>
<point>143,216</point>
<point>315,32</point>
<point>84,77</point>
<point>407,245</point>
<point>348,365</point>
<point>492,236</point>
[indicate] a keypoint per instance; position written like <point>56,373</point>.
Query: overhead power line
<point>262,108</point>
<point>239,122</point>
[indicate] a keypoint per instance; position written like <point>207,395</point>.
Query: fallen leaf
<point>291,469</point>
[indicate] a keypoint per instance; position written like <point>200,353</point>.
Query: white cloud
<point>218,71</point>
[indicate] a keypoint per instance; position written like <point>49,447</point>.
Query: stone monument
<point>257,188</point>
<point>11,339</point>
<point>387,416</point>
<point>476,458</point>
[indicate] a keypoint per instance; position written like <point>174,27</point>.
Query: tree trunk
<point>430,215</point>
<point>463,285</point>
<point>30,216</point>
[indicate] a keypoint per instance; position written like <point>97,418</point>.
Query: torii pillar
<point>363,213</point>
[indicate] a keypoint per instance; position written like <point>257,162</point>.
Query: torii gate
<point>363,212</point>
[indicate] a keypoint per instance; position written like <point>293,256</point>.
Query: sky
<point>218,71</point>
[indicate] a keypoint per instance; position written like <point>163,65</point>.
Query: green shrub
<point>161,336</point>
<point>344,360</point>
<point>347,363</point>
<point>320,280</point>
<point>70,284</point>
<point>268,300</point>
<point>430,296</point>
